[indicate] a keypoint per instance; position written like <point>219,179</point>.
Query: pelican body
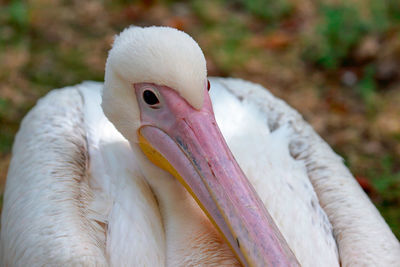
<point>153,169</point>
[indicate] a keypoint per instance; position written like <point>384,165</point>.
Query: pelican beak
<point>188,143</point>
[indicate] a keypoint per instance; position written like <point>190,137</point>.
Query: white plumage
<point>77,193</point>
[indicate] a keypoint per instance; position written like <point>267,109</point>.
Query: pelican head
<point>156,95</point>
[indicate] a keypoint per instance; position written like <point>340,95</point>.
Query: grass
<point>367,86</point>
<point>387,184</point>
<point>332,45</point>
<point>16,17</point>
<point>268,10</point>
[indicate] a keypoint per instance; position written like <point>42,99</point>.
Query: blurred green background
<point>337,62</point>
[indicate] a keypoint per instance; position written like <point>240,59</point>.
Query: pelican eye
<point>208,85</point>
<point>150,98</point>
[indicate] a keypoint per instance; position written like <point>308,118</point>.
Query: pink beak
<point>192,148</point>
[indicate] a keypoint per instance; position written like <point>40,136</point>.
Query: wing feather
<point>47,194</point>
<point>280,143</point>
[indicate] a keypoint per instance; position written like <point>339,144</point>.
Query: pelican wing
<point>74,196</point>
<point>314,199</point>
<point>47,193</point>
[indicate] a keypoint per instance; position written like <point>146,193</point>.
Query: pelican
<point>139,172</point>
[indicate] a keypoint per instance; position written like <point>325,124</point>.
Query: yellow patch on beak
<point>159,160</point>
<point>155,157</point>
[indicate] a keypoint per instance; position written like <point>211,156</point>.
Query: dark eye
<point>150,98</point>
<point>208,85</point>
